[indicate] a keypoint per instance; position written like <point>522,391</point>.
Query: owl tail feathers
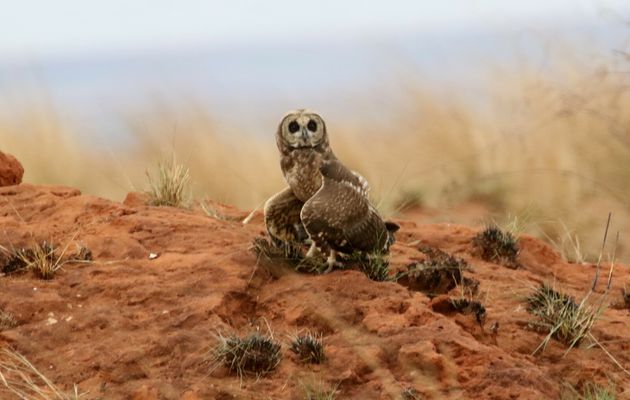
<point>392,227</point>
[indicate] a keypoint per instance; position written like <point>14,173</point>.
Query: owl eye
<point>312,125</point>
<point>294,127</point>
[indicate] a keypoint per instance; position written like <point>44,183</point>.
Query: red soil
<point>11,170</point>
<point>128,326</point>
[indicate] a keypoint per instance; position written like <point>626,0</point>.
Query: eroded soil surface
<point>131,325</point>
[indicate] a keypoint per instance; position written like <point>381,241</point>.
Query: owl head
<point>302,129</point>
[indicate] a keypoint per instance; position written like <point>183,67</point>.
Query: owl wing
<point>282,217</point>
<point>336,171</point>
<point>364,183</point>
<point>340,213</point>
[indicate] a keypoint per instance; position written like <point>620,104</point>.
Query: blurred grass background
<point>548,154</point>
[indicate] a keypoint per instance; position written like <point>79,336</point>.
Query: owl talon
<point>331,261</point>
<point>311,251</point>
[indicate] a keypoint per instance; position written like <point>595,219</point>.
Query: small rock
<point>11,171</point>
<point>136,199</point>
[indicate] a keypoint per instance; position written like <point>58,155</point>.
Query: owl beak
<point>304,134</point>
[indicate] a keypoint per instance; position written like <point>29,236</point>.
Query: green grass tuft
<point>561,316</point>
<point>255,354</point>
<point>496,245</point>
<point>374,265</point>
<point>590,391</point>
<point>309,348</point>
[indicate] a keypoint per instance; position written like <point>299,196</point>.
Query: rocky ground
<point>138,320</point>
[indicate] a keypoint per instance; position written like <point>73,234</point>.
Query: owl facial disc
<point>302,129</point>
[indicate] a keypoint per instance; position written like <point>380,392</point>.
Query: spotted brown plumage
<point>340,218</point>
<point>303,143</point>
<point>324,200</point>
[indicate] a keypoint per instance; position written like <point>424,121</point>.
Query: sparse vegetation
<point>374,265</point>
<point>561,317</point>
<point>283,252</point>
<point>42,259</point>
<point>319,391</point>
<point>7,320</point>
<point>171,187</point>
<point>467,306</point>
<point>409,199</point>
<point>567,109</point>
<point>567,242</point>
<point>13,261</point>
<point>82,254</point>
<point>211,211</point>
<point>590,391</point>
<point>496,245</point>
<point>18,377</point>
<point>438,273</point>
<point>410,393</point>
<point>448,305</point>
<point>255,354</point>
<point>290,254</point>
<point>308,348</point>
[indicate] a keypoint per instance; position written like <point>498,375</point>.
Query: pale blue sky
<point>33,28</point>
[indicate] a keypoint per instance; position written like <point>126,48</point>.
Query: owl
<point>340,218</point>
<point>302,140</point>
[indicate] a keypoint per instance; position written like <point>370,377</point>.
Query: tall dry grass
<point>552,149</point>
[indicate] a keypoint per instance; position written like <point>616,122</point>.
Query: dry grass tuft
<point>410,393</point>
<point>42,259</point>
<point>20,378</point>
<point>255,354</point>
<point>7,320</point>
<point>495,245</point>
<point>409,199</point>
<point>212,211</point>
<point>439,273</point>
<point>290,254</point>
<point>561,316</point>
<point>374,265</point>
<point>309,348</point>
<point>12,261</point>
<point>590,391</point>
<point>319,391</point>
<point>468,306</point>
<point>171,187</point>
<point>561,132</point>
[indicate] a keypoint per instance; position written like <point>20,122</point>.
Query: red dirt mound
<point>11,170</point>
<point>138,321</point>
